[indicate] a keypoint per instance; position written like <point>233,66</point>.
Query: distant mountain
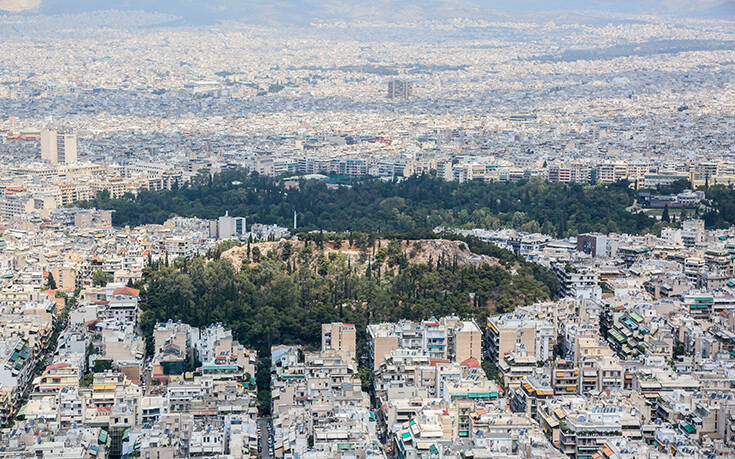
<point>304,11</point>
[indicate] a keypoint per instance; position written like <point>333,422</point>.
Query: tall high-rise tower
<point>399,89</point>
<point>58,147</point>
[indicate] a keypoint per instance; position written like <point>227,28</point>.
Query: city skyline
<point>313,229</point>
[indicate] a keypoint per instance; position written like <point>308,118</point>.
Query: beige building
<point>513,332</point>
<point>20,203</point>
<point>71,192</point>
<point>65,278</point>
<point>612,172</point>
<point>172,333</point>
<point>58,147</point>
<point>590,346</point>
<point>382,342</point>
<point>116,186</point>
<point>467,341</point>
<point>446,340</point>
<point>341,337</point>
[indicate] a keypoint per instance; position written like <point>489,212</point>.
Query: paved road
<point>265,450</point>
<point>147,376</point>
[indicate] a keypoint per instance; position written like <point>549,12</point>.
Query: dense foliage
<point>717,210</point>
<point>720,213</point>
<point>375,205</point>
<point>277,301</point>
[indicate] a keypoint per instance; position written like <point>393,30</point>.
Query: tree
<point>51,282</point>
<point>101,278</point>
<point>87,380</point>
<point>665,215</point>
<point>263,382</point>
<point>287,251</point>
<point>366,378</point>
<point>101,365</point>
<point>491,371</point>
<point>678,349</point>
<point>268,303</point>
<point>388,206</point>
<point>221,248</point>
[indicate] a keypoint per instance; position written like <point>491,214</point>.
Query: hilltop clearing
<point>386,254</point>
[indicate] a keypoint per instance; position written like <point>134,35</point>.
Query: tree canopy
<point>101,278</point>
<point>280,301</point>
<point>51,282</point>
<point>377,206</point>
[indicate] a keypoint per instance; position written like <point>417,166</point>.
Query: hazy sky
<point>336,8</point>
<point>19,5</point>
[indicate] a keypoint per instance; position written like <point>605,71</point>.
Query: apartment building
<point>510,332</point>
<point>58,147</point>
<point>579,281</point>
<point>339,337</point>
<point>448,339</point>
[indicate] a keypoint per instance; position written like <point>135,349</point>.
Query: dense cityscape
<point>316,230</point>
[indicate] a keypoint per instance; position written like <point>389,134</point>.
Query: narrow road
<point>263,423</point>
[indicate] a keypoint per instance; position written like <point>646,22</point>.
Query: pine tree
<point>665,214</point>
<point>51,282</point>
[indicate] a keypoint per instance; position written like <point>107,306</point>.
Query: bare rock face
<point>450,251</point>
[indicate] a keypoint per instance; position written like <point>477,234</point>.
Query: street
<point>264,433</point>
